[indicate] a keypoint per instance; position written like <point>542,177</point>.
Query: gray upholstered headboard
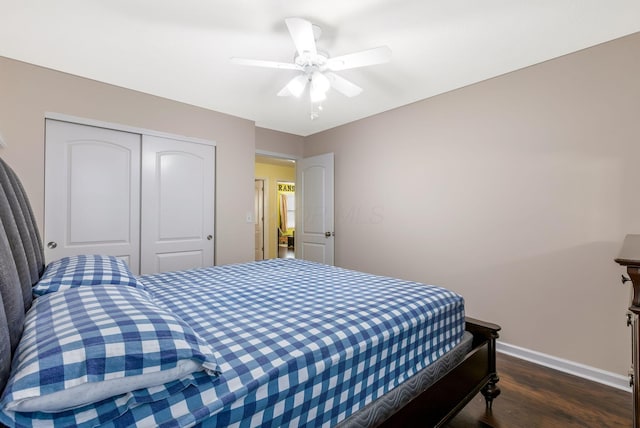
<point>21,263</point>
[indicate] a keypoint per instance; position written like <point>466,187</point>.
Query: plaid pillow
<point>74,271</point>
<point>100,351</point>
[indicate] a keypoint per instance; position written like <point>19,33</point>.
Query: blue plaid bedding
<point>90,353</point>
<point>300,343</point>
<point>297,343</point>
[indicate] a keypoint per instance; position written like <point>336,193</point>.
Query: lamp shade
<point>320,81</point>
<point>297,84</point>
<point>317,95</point>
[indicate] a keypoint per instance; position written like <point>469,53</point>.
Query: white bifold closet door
<point>92,192</point>
<point>177,205</point>
<point>145,199</point>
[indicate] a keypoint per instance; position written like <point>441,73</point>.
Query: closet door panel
<point>92,192</point>
<point>177,205</point>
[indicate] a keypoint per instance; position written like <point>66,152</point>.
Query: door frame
<point>126,128</point>
<point>265,202</point>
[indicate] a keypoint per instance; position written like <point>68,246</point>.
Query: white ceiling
<point>180,49</point>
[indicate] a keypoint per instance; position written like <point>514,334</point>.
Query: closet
<point>145,198</point>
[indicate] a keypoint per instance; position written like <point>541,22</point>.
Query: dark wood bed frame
<point>22,262</point>
<point>444,399</point>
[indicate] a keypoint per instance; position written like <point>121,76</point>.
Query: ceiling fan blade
<point>295,87</point>
<point>342,85</point>
<point>372,56</point>
<point>267,64</point>
<point>301,32</point>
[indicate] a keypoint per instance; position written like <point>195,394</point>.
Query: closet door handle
<point>209,237</point>
<point>51,245</point>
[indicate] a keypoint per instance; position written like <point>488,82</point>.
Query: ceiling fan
<point>316,67</point>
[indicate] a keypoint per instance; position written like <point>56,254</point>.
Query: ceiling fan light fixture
<point>320,82</point>
<point>317,95</point>
<point>296,85</point>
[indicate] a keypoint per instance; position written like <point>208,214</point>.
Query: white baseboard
<point>591,373</point>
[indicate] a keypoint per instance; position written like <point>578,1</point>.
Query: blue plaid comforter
<point>299,343</point>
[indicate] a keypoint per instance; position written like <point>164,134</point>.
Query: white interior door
<point>177,205</point>
<point>314,209</point>
<point>92,192</point>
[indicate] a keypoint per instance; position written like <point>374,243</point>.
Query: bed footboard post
<point>491,390</point>
<point>485,334</point>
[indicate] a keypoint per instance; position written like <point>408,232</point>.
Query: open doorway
<point>272,172</point>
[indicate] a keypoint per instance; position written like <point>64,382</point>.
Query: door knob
<point>209,237</point>
<point>51,245</point>
<point>329,234</point>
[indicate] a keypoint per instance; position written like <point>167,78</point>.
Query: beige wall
<point>27,92</point>
<point>281,143</point>
<point>516,192</point>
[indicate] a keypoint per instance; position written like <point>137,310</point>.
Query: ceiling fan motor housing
<point>307,60</point>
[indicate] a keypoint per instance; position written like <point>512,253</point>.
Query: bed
<point>280,342</point>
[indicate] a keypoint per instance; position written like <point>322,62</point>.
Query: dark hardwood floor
<point>536,396</point>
